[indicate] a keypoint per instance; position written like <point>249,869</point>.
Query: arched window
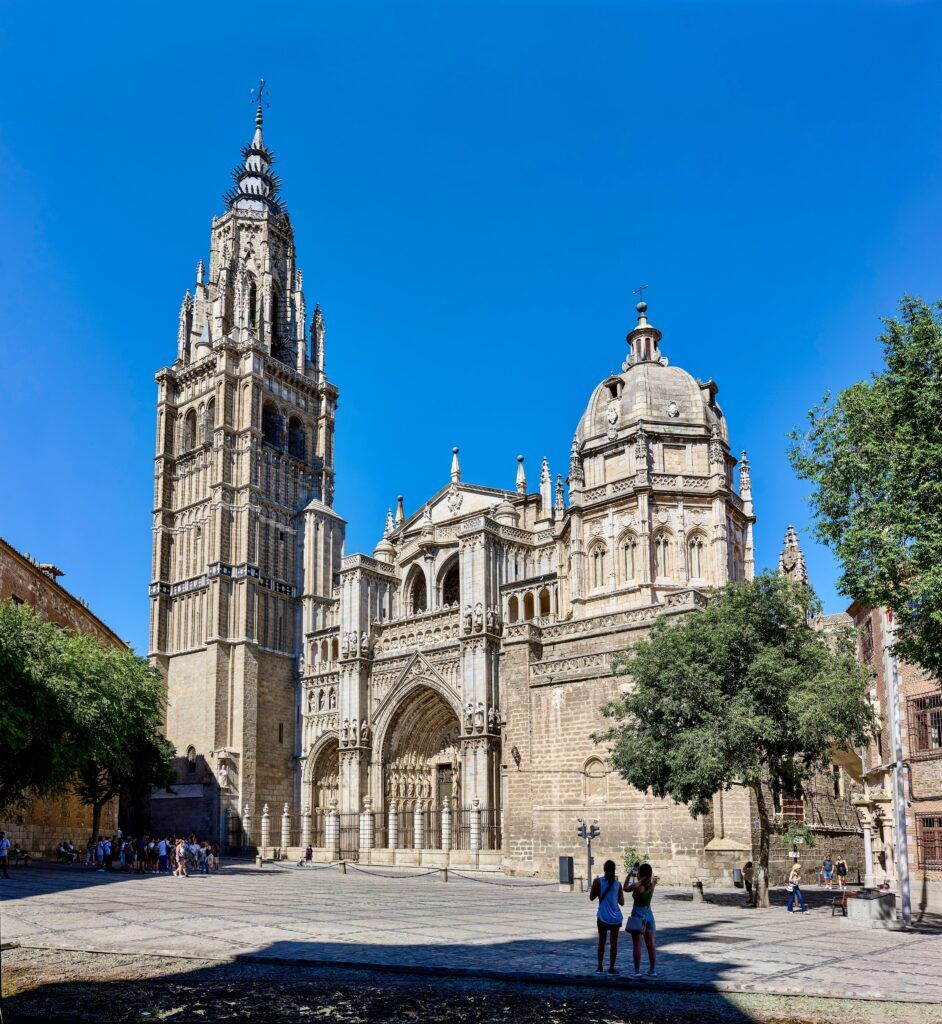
<point>209,421</point>
<point>189,431</point>
<point>419,594</point>
<point>190,760</point>
<point>663,559</point>
<point>325,651</point>
<point>513,610</point>
<point>334,649</point>
<point>629,548</point>
<point>544,602</point>
<point>271,426</point>
<point>597,558</point>
<point>275,322</point>
<point>296,438</point>
<point>528,607</point>
<point>451,585</point>
<point>595,779</point>
<point>253,303</point>
<point>695,557</point>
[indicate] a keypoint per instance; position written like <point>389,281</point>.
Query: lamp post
<point>588,833</point>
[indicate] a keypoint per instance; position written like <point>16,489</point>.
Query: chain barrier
<point>506,885</point>
<point>393,874</point>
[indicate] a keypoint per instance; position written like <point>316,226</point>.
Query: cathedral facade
<point>456,673</point>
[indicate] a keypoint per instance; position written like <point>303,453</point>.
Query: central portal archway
<point>325,776</point>
<point>421,760</point>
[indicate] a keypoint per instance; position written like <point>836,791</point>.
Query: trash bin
<point>566,872</point>
<point>737,877</point>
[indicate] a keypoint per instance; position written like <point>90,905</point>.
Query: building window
<point>925,726</point>
<point>190,760</point>
<point>189,431</point>
<point>419,594</point>
<point>630,549</point>
<point>662,555</point>
<point>598,567</point>
<point>296,445</point>
<point>695,558</point>
<point>281,732</point>
<point>451,586</point>
<point>545,603</point>
<point>513,610</point>
<point>929,841</point>
<point>528,607</point>
<point>595,780</point>
<point>866,641</point>
<point>271,426</point>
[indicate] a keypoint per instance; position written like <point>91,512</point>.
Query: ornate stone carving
<point>454,499</point>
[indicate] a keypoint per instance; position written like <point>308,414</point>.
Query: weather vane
<point>260,93</point>
<point>639,291</point>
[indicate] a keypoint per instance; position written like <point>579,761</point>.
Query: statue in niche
<point>479,717</point>
<point>491,619</point>
<point>364,732</point>
<point>468,717</point>
<point>478,617</point>
<point>467,618</point>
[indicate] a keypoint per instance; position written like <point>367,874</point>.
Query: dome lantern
<point>643,341</point>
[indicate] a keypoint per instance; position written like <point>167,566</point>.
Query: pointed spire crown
<point>455,467</point>
<point>791,561</point>
<point>256,187</point>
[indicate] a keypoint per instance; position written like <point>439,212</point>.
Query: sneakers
<point>637,976</point>
<point>652,973</point>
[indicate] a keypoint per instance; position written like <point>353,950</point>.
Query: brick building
<point>23,580</point>
<point>921,733</point>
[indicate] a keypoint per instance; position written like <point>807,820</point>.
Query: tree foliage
<point>75,711</point>
<point>874,455</point>
<point>744,692</point>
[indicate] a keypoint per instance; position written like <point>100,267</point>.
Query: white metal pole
<point>899,791</point>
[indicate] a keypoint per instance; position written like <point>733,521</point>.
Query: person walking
<point>840,866</point>
<point>827,871</point>
<point>608,891</point>
<point>4,853</point>
<point>641,922</point>
<point>794,889</point>
<point>748,875</point>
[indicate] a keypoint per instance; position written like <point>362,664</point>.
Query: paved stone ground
<point>496,928</point>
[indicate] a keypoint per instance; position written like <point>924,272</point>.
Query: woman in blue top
<point>608,891</point>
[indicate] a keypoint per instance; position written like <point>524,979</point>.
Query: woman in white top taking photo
<point>608,891</point>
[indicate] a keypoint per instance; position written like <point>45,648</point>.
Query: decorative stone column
<point>419,826</point>
<point>446,825</point>
<point>475,824</point>
<point>266,828</point>
<point>332,829</point>
<point>246,826</point>
<point>393,835</point>
<point>367,826</point>
<point>306,827</point>
<point>285,829</point>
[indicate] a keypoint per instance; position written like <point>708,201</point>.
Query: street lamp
<point>588,833</point>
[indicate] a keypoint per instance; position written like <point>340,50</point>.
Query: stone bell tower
<point>245,443</point>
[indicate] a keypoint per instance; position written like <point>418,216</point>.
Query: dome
<point>650,390</point>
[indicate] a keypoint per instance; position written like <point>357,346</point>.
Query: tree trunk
<point>96,819</point>
<point>762,866</point>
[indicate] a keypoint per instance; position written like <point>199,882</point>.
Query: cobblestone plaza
<point>473,925</point>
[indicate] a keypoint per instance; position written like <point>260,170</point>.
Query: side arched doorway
<point>420,752</point>
<point>325,776</point>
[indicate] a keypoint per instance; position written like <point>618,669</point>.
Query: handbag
<point>635,923</point>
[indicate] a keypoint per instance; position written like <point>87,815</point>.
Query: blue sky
<point>476,190</point>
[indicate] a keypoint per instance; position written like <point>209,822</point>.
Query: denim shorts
<point>647,919</point>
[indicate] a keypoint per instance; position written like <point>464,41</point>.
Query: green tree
<point>118,721</point>
<point>37,755</point>
<point>742,693</point>
<point>75,711</point>
<point>874,456</point>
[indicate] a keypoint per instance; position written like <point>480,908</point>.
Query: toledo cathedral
<point>433,701</point>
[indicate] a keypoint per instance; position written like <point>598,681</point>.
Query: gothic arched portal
<point>325,775</point>
<point>420,751</point>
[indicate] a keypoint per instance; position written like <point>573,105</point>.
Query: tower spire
<point>256,187</point>
<point>521,476</point>
<point>791,561</point>
<point>455,467</point>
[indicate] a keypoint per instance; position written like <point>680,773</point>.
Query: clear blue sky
<point>476,189</point>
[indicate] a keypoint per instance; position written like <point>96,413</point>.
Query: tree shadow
<point>353,981</point>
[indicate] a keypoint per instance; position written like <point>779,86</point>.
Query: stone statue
<point>467,618</point>
<point>364,642</point>
<point>345,732</point>
<point>479,717</point>
<point>492,719</point>
<point>364,731</point>
<point>478,617</point>
<point>491,619</point>
<point>355,733</point>
<point>468,717</point>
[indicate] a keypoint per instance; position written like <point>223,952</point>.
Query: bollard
<point>266,828</point>
<point>475,824</point>
<point>393,839</point>
<point>258,861</point>
<point>367,826</point>
<point>443,875</point>
<point>446,826</point>
<point>306,828</point>
<point>342,864</point>
<point>246,826</point>
<point>332,830</point>
<point>697,891</point>
<point>419,825</point>
<point>285,831</point>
